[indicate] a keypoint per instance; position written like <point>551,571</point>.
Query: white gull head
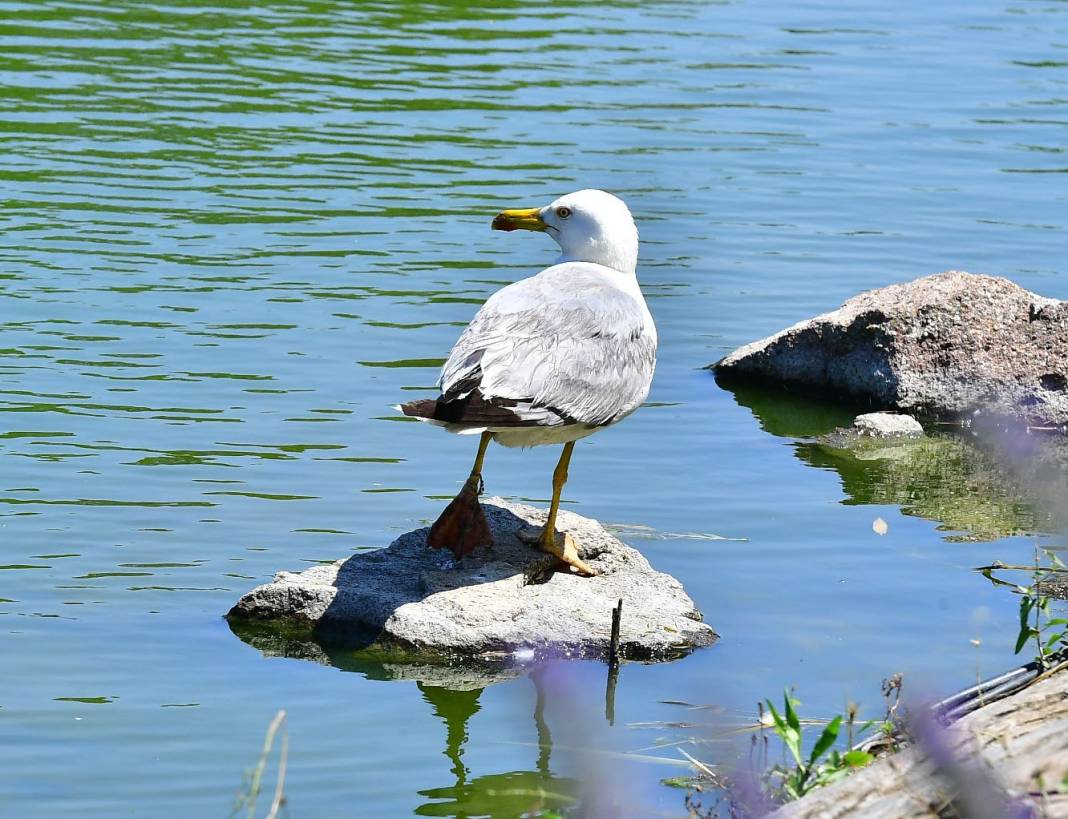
<point>589,225</point>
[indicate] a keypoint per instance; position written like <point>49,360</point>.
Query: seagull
<point>548,360</point>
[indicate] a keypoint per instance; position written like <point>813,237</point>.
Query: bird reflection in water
<point>513,793</point>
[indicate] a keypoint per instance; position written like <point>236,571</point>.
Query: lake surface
<point>235,234</point>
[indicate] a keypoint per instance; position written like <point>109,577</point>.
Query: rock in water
<point>500,601</point>
<point>872,432</point>
<point>944,345</point>
<point>887,425</point>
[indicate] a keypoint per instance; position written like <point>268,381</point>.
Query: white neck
<point>617,250</point>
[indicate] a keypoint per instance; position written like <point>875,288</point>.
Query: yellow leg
<point>483,442</point>
<point>548,535</point>
<point>548,540</point>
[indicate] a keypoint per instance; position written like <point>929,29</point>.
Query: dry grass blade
<point>247,800</point>
<point>600,752</point>
<point>702,768</point>
<point>1015,568</point>
<point>280,782</point>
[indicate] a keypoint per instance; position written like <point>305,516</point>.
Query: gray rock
<point>887,425</point>
<point>495,604</point>
<point>945,345</point>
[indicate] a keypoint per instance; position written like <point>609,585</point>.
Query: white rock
<point>887,425</point>
<point>490,604</point>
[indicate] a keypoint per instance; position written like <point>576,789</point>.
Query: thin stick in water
<point>613,645</point>
<point>613,665</point>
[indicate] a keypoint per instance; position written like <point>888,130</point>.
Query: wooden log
<point>1019,745</point>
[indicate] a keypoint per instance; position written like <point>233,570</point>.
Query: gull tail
<point>439,413</point>
<point>425,409</point>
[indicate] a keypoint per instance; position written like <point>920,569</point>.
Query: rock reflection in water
<point>276,640</point>
<point>979,484</point>
<point>942,478</point>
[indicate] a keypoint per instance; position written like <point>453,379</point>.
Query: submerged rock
<point>873,431</point>
<point>492,605</point>
<point>945,478</point>
<point>977,483</point>
<point>945,345</point>
<point>887,425</point>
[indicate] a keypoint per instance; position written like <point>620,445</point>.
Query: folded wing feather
<point>569,345</point>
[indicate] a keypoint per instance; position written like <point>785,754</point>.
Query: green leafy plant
<point>1048,633</point>
<point>823,764</point>
<point>799,774</point>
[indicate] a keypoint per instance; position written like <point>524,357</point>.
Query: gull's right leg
<point>548,539</point>
<point>462,527</point>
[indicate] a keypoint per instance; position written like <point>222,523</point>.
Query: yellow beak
<point>519,219</point>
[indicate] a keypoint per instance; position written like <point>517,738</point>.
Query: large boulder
<point>944,345</point>
<point>494,604</point>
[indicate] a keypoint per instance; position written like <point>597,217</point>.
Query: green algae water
<point>233,235</point>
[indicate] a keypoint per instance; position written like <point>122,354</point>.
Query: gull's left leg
<point>462,526</point>
<point>557,543</point>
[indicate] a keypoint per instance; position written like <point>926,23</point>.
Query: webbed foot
<point>561,545</point>
<point>462,527</point>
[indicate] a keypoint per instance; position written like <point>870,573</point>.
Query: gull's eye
<point>563,213</point>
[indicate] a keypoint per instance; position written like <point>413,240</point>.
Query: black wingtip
<point>472,410</point>
<point>423,408</point>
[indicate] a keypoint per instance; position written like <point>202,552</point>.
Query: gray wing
<point>565,346</point>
